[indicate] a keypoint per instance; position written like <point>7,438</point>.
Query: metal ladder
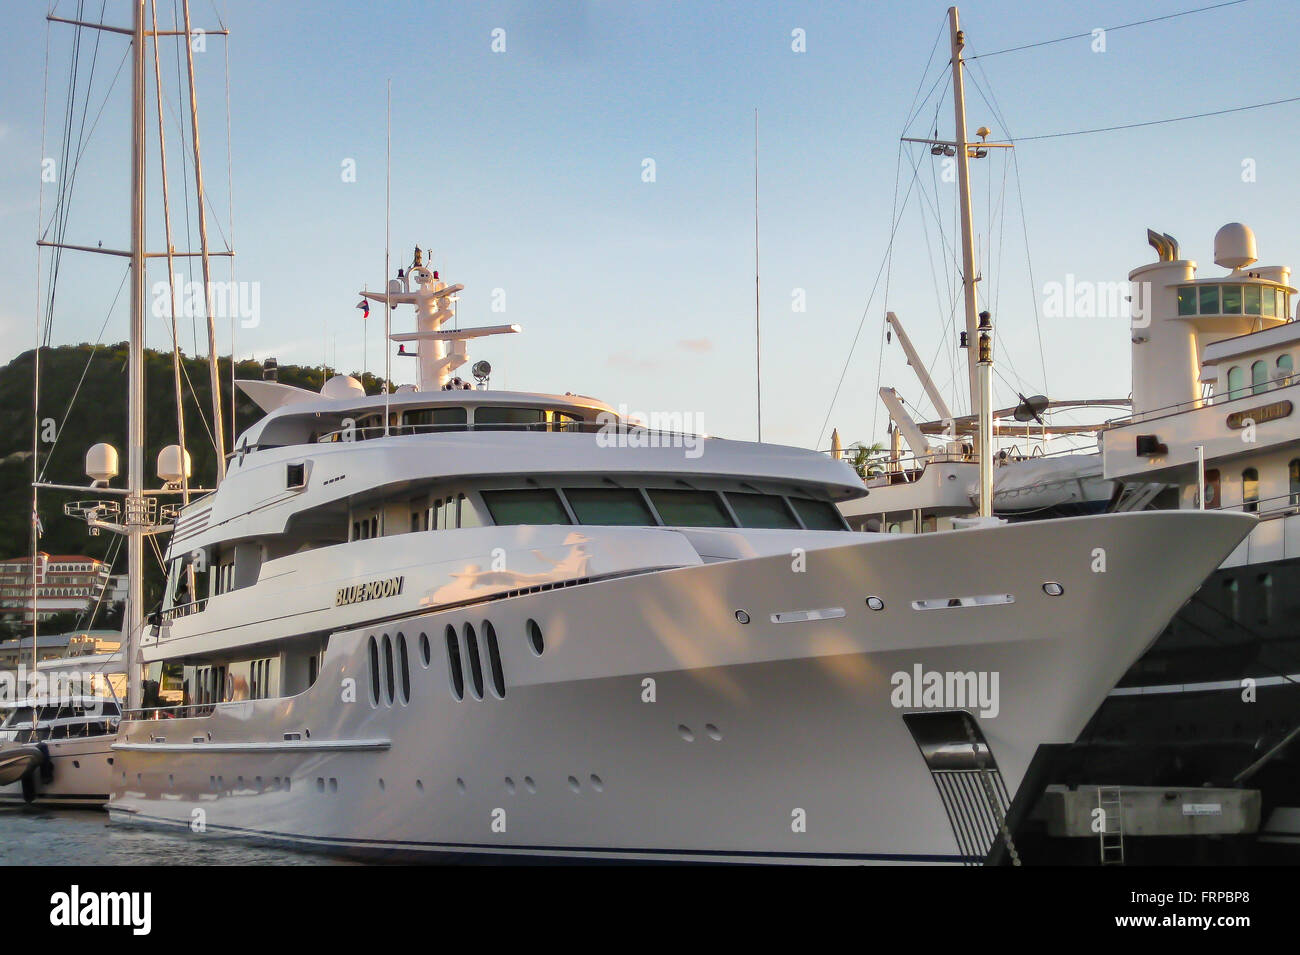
<point>1111,803</point>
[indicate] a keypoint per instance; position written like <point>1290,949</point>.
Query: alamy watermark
<point>946,690</point>
<point>56,688</point>
<point>241,300</point>
<point>658,429</point>
<point>1083,298</point>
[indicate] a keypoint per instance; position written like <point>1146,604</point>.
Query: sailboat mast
<point>136,514</point>
<point>978,343</point>
<point>218,432</point>
<point>958,40</point>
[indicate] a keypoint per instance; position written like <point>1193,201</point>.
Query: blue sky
<point>522,171</point>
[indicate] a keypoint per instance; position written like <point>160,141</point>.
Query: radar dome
<point>1234,246</point>
<point>405,389</point>
<point>173,464</point>
<point>101,462</point>
<point>343,386</point>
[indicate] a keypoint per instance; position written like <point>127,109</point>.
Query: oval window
<point>475,664</point>
<point>535,637</point>
<point>494,659</point>
<point>405,666</point>
<point>374,672</point>
<point>389,681</point>
<point>453,664</point>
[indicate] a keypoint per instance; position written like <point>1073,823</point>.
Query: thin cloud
<point>630,361</point>
<point>697,345</point>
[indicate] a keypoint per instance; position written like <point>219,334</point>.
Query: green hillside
<point>99,414</point>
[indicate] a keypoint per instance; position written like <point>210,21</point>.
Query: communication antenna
<point>388,221</point>
<point>758,338</point>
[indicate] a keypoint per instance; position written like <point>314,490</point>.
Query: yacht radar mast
<point>441,351</point>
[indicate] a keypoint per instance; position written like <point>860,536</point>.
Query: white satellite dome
<point>173,464</point>
<point>405,389</point>
<point>342,386</point>
<point>101,463</point>
<point>1234,246</point>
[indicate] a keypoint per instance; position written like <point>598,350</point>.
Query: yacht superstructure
<point>1213,426</point>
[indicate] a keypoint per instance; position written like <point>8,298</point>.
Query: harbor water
<point>33,836</point>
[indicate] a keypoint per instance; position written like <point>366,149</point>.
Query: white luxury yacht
<point>478,622</point>
<point>461,622</point>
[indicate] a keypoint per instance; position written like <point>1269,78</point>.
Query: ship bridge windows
<point>425,420</point>
<point>1267,301</point>
<point>490,418</point>
<point>762,510</point>
<point>818,515</point>
<point>526,506</point>
<point>611,506</point>
<point>690,508</point>
<point>433,420</point>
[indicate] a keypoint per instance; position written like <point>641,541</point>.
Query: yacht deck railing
<point>371,432</point>
<point>1208,401</point>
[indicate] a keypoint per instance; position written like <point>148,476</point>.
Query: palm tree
<point>867,460</point>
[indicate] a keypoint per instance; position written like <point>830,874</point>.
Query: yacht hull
<point>655,725</point>
<point>79,774</point>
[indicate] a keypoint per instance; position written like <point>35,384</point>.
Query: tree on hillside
<point>97,414</point>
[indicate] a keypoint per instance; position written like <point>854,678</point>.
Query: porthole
<point>494,659</point>
<point>405,666</point>
<point>875,603</point>
<point>475,664</point>
<point>453,664</point>
<point>426,652</point>
<point>742,617</point>
<point>1053,589</point>
<point>389,680</point>
<point>535,637</point>
<point>374,672</point>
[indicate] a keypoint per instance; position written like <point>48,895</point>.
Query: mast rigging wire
<point>1115,29</point>
<point>1156,122</point>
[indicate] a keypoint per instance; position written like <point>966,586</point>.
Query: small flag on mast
<point>36,522</point>
<point>364,305</point>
